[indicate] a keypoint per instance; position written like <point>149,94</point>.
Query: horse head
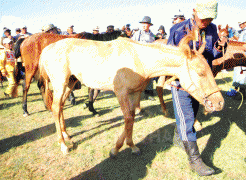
<point>223,32</point>
<point>197,78</point>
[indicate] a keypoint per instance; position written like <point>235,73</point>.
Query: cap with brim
<point>110,27</point>
<point>7,30</point>
<point>17,29</point>
<point>239,23</point>
<point>147,20</point>
<point>24,27</point>
<point>7,41</point>
<point>206,9</point>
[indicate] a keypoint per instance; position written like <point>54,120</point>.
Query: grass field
<point>29,147</point>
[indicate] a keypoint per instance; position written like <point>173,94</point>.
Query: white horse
<point>124,67</point>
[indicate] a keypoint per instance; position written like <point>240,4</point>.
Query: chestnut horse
<point>125,67</point>
<point>30,49</point>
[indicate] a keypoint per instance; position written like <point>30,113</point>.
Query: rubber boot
<point>195,159</point>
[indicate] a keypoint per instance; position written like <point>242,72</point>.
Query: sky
<point>87,14</point>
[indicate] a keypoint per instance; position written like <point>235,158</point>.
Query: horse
<point>30,49</point>
<point>125,67</point>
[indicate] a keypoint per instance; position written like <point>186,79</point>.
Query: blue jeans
<point>185,110</point>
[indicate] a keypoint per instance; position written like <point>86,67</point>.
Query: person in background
<point>185,106</point>
<point>7,34</point>
<point>96,30</point>
<point>110,28</point>
<point>50,28</point>
<point>7,65</point>
<point>146,36</point>
<point>70,31</point>
<point>17,34</point>
<point>24,33</point>
<point>239,76</point>
<point>161,33</point>
<point>178,18</point>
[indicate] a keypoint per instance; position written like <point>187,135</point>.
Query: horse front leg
<point>128,105</point>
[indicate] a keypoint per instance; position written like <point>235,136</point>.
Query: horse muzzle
<point>214,102</point>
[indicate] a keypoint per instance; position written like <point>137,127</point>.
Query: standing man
<point>185,106</point>
<point>146,36</point>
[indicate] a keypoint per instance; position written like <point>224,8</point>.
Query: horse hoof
<point>73,102</point>
<point>64,149</point>
<point>136,151</point>
<point>25,114</point>
<point>113,153</point>
<point>85,105</point>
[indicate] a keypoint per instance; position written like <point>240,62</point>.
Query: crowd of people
<point>185,106</point>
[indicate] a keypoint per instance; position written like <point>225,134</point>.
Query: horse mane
<point>99,37</point>
<point>184,43</point>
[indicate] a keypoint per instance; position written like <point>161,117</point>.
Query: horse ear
<point>219,27</point>
<point>187,52</point>
<point>227,26</point>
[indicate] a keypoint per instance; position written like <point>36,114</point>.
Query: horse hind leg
<point>128,105</point>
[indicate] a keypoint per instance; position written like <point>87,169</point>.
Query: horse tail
<point>17,47</point>
<point>43,85</point>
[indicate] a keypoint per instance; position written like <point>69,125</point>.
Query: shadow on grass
<point>219,131</point>
<point>128,166</point>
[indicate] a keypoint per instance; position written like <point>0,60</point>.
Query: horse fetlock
<point>66,136</point>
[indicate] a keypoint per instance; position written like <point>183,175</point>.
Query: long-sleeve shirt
<point>143,36</point>
<point>211,52</point>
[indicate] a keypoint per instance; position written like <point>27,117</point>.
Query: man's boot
<point>195,159</point>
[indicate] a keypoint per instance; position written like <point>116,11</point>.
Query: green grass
<point>29,148</point>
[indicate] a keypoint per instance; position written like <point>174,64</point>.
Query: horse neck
<point>162,60</point>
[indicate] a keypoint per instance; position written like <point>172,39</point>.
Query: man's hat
<point>178,15</point>
<point>48,27</point>
<point>7,41</point>
<point>146,19</point>
<point>71,26</point>
<point>17,29</point>
<point>161,28</point>
<point>24,27</point>
<point>7,30</point>
<point>206,9</point>
<point>96,29</point>
<point>128,25</point>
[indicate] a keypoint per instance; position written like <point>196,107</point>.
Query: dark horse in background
<point>29,49</point>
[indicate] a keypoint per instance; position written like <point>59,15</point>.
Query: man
<point>69,31</point>
<point>17,34</point>
<point>146,36</point>
<point>7,34</point>
<point>161,33</point>
<point>24,32</point>
<point>7,65</point>
<point>50,28</point>
<point>239,76</point>
<point>185,106</point>
<point>96,30</point>
<point>178,18</point>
